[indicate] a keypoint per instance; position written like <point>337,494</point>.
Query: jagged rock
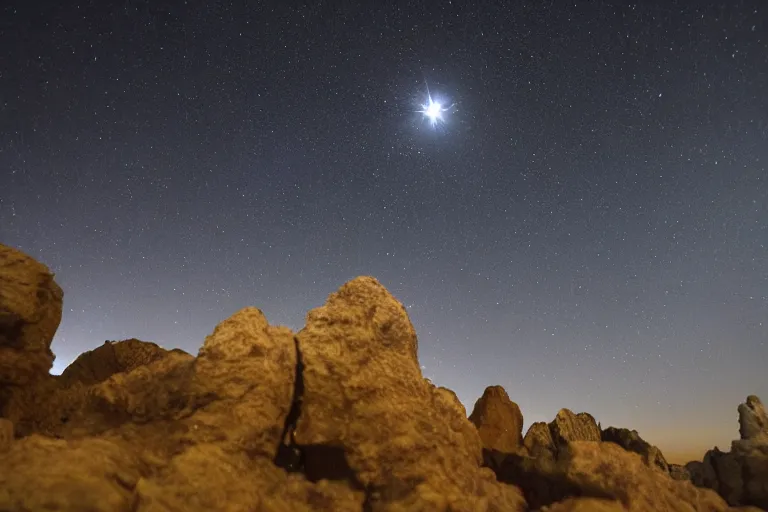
<point>30,312</point>
<point>538,441</point>
<point>753,419</point>
<point>112,357</point>
<point>500,424</point>
<point>631,441</point>
<point>702,474</point>
<point>370,418</point>
<point>679,472</point>
<point>568,427</point>
<point>498,420</point>
<point>740,475</point>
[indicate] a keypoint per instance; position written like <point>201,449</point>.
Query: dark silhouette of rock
<point>679,472</point>
<point>631,441</point>
<point>30,312</point>
<point>740,476</point>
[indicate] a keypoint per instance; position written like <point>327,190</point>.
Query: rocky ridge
<point>335,417</point>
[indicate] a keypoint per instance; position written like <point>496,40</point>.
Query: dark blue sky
<point>588,228</point>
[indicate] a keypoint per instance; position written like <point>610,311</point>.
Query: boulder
<point>30,312</point>
<point>112,357</point>
<point>369,417</point>
<point>631,441</point>
<point>500,424</point>
<point>678,472</point>
<point>568,427</point>
<point>740,475</point>
<point>753,419</point>
<point>604,471</point>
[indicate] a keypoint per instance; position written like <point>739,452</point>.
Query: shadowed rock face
<point>631,441</point>
<point>30,313</point>
<point>335,418</point>
<point>740,475</point>
<point>498,420</point>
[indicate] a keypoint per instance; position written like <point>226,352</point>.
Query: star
<point>433,109</point>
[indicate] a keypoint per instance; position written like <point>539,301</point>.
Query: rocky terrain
<point>336,417</point>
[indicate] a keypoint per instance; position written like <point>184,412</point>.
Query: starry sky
<point>586,226</point>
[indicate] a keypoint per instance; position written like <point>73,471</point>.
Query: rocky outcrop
<point>631,441</point>
<point>112,357</point>
<point>740,475</point>
<point>369,418</point>
<point>568,427</point>
<point>30,312</point>
<point>679,472</point>
<point>500,424</point>
<point>335,418</point>
<point>753,420</point>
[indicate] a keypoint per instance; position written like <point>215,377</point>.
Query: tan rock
<point>607,470</point>
<point>567,427</point>
<point>30,313</point>
<point>753,418</point>
<point>631,441</point>
<point>112,357</point>
<point>498,420</point>
<point>368,415</point>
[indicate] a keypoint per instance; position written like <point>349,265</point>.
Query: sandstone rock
<point>498,420</point>
<point>678,472</point>
<point>369,417</point>
<point>606,470</point>
<point>753,418</point>
<point>112,357</point>
<point>568,427</point>
<point>30,312</point>
<point>740,475</point>
<point>631,441</point>
<point>40,473</point>
<point>538,441</point>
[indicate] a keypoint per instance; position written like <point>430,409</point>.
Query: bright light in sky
<point>434,110</point>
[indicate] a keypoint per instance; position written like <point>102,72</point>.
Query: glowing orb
<point>433,110</point>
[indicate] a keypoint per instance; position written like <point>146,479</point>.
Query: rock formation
<point>740,475</point>
<point>336,417</point>
<point>631,441</point>
<point>30,312</point>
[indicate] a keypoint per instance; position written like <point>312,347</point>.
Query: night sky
<point>586,226</point>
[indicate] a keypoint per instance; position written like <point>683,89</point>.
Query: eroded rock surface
<point>30,312</point>
<point>498,420</point>
<point>631,441</point>
<point>369,417</point>
<point>112,357</point>
<point>740,475</point>
<point>335,418</point>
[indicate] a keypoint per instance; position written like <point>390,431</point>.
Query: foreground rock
<point>335,418</point>
<point>30,312</point>
<point>369,417</point>
<point>500,424</point>
<point>741,475</point>
<point>631,441</point>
